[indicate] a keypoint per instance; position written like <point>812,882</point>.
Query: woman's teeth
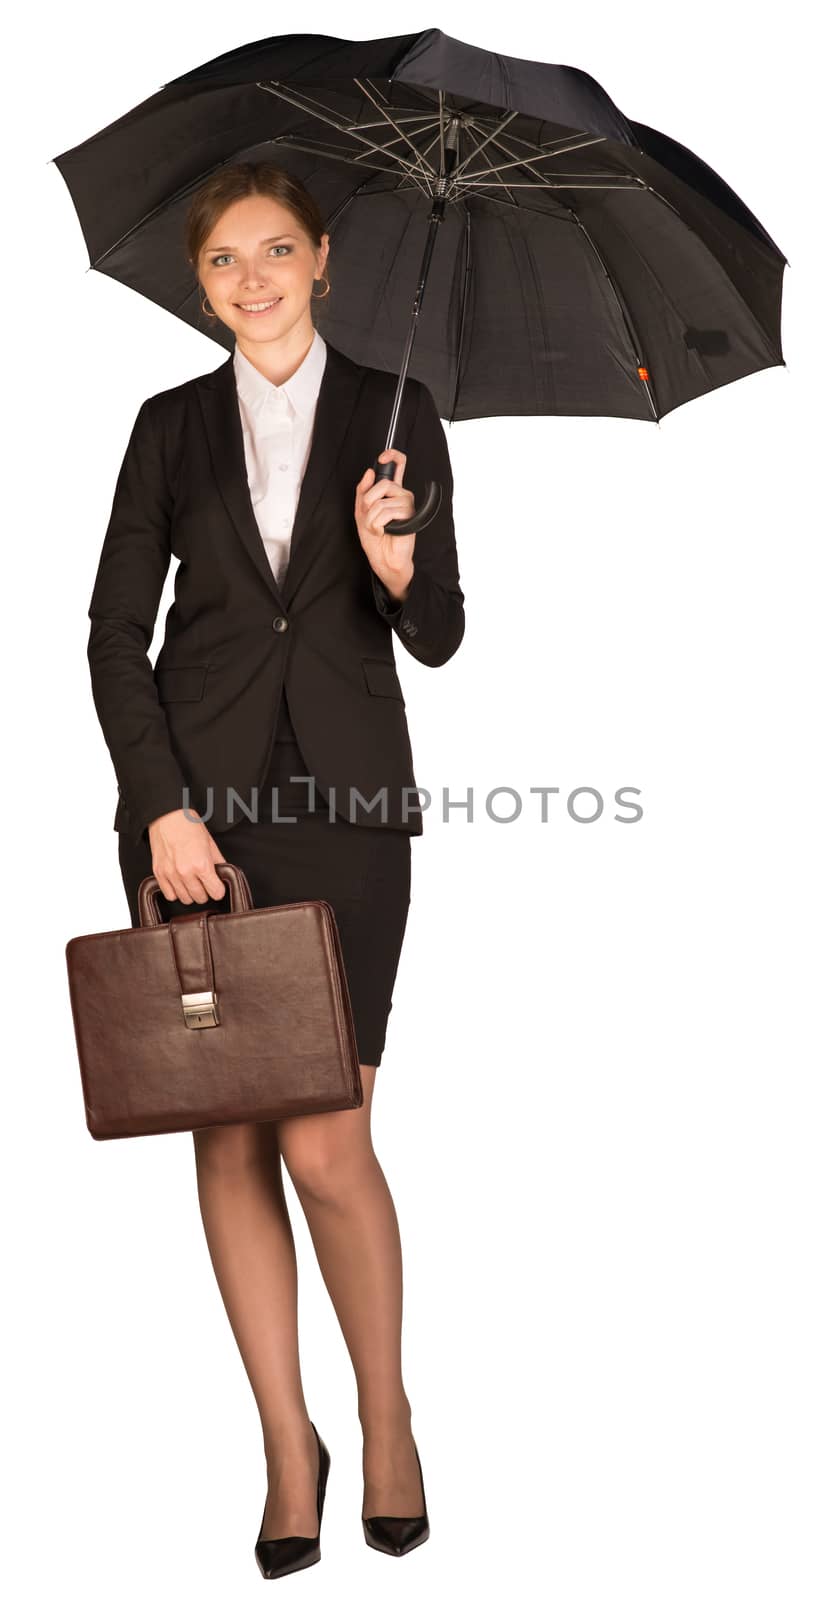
<point>256,308</point>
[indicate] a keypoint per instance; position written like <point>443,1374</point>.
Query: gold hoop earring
<point>207,313</point>
<point>325,280</point>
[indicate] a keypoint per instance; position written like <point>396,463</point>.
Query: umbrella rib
<point>402,116</point>
<point>545,183</point>
<point>463,305</point>
<point>563,146</point>
<point>625,314</point>
<point>566,142</point>
<point>498,200</point>
<point>519,161</point>
<point>489,136</point>
<point>390,119</point>
<point>621,188</point>
<point>624,180</point>
<point>549,188</point>
<point>317,148</point>
<point>322,148</point>
<point>467,186</point>
<point>342,205</point>
<point>386,146</point>
<point>340,127</point>
<point>338,155</point>
<point>305,102</point>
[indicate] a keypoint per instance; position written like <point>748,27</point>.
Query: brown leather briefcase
<point>240,1015</point>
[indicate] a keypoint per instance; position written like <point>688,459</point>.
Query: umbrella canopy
<point>585,264</point>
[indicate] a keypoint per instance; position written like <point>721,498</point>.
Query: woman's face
<point>258,252</point>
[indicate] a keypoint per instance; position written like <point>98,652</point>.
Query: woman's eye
<point>285,247</point>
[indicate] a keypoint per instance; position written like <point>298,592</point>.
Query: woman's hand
<point>183,854</point>
<point>390,555</point>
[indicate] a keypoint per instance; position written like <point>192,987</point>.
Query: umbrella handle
<point>423,514</point>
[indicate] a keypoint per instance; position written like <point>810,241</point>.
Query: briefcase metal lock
<point>201,1010</point>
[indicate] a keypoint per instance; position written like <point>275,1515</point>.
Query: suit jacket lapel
<point>222,419</point>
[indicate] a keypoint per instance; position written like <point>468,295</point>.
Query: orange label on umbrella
<point>643,373</point>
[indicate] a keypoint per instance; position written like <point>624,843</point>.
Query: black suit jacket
<point>200,727</point>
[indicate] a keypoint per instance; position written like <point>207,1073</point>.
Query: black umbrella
<point>589,265</point>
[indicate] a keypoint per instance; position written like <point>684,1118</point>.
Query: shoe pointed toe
<point>277,1557</point>
<point>395,1535</point>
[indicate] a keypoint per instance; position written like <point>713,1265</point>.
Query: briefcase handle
<point>238,890</point>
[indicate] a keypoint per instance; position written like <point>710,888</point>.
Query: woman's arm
<point>430,622</point>
<point>127,592</point>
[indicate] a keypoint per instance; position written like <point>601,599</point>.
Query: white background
<point>596,1105</point>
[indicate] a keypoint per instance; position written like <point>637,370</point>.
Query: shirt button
<point>280,624</point>
<point>283,467</point>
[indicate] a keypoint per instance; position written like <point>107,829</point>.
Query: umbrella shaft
<point>435,218</point>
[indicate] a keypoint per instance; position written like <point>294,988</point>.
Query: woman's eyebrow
<point>271,240</point>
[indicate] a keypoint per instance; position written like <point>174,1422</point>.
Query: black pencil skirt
<point>364,873</point>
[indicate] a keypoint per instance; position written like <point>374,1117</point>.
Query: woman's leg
<point>249,1237</point>
<point>351,1218</point>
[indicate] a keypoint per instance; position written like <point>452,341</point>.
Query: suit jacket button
<point>280,624</point>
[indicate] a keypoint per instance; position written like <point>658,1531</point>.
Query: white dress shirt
<point>277,425</point>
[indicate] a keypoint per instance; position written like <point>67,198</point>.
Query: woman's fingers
<point>172,887</point>
<point>400,458</point>
<point>183,886</point>
<point>378,503</point>
<point>398,507</point>
<point>370,490</point>
<point>185,869</point>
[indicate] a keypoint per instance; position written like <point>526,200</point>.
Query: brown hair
<point>243,178</point>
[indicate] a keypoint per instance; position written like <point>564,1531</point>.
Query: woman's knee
<point>236,1148</point>
<point>325,1164</point>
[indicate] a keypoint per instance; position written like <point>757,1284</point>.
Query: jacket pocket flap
<point>381,677</point>
<point>180,683</point>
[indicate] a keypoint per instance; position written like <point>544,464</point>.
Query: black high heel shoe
<point>395,1536</point>
<point>277,1557</point>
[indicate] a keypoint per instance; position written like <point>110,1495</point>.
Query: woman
<point>285,608</point>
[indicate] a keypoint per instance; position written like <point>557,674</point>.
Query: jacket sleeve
<point>128,589</point>
<point>430,622</point>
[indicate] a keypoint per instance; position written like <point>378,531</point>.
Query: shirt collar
<point>301,390</point>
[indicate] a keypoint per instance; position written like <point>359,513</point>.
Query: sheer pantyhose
<point>352,1221</point>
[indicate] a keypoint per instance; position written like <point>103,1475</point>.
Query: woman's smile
<point>259,308</point>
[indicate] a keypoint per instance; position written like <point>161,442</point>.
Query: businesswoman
<point>276,683</point>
